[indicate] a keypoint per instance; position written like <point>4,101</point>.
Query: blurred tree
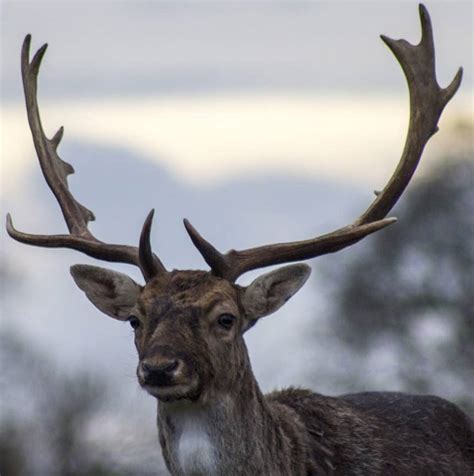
<point>43,414</point>
<point>47,415</point>
<point>51,417</point>
<point>410,291</point>
<point>12,450</point>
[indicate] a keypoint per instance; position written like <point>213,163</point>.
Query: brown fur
<point>213,418</point>
<point>291,432</point>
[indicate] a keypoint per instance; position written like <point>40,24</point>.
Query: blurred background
<point>260,122</point>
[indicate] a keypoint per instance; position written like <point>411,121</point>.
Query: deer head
<point>189,324</point>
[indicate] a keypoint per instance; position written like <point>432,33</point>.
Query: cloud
<point>210,138</point>
<point>130,48</point>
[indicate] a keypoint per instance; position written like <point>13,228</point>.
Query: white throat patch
<point>194,449</point>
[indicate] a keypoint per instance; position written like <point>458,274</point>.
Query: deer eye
<point>134,322</point>
<point>226,320</point>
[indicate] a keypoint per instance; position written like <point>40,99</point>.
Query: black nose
<point>159,374</point>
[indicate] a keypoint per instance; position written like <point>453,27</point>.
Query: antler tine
<point>427,101</point>
<point>55,172</point>
<point>150,265</point>
<point>214,258</point>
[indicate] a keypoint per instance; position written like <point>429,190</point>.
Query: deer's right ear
<point>113,293</point>
<point>270,291</point>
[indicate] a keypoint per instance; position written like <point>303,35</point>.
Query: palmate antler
<point>427,101</point>
<point>56,171</point>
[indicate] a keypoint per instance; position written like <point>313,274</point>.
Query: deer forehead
<point>181,290</point>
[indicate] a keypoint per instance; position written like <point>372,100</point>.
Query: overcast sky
<point>195,108</point>
<point>215,89</point>
<point>211,91</point>
<point>130,48</point>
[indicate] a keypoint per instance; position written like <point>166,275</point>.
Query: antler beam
<point>427,101</point>
<point>56,171</point>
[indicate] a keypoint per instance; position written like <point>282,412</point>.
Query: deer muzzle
<point>167,379</point>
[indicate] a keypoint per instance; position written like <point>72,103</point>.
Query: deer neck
<point>226,431</point>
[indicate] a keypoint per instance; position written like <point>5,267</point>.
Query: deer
<point>189,328</point>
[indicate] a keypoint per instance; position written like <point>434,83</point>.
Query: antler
<point>427,101</point>
<point>55,171</point>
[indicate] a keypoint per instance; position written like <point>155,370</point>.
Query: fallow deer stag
<point>189,325</point>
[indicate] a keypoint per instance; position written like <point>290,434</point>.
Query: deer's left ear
<point>270,291</point>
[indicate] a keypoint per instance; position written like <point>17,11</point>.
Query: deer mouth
<point>174,391</point>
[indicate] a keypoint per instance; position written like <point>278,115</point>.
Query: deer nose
<point>161,373</point>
